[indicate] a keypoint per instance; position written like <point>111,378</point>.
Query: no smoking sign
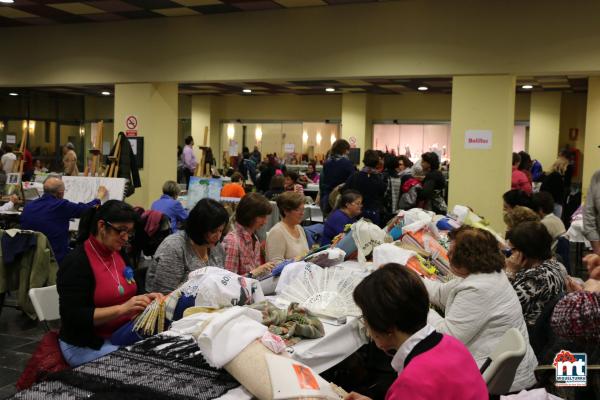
<point>131,123</point>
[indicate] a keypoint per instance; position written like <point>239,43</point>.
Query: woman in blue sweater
<point>349,208</point>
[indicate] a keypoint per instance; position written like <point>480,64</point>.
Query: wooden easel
<point>113,169</point>
<point>96,150</point>
<point>18,165</point>
<point>201,169</point>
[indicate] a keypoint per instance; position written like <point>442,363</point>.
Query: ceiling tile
<point>191,3</point>
<point>112,5</point>
<point>139,14</point>
<point>216,9</point>
<point>76,8</point>
<point>352,82</point>
<point>105,17</point>
<point>176,12</point>
<point>10,12</point>
<point>153,4</point>
<point>257,5</point>
<point>301,3</point>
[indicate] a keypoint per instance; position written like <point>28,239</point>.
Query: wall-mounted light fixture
<point>304,137</point>
<point>230,131</point>
<point>258,133</point>
<point>319,138</point>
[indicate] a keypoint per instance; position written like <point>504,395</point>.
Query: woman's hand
<point>135,305</point>
<point>356,396</point>
<point>155,296</point>
<point>262,269</point>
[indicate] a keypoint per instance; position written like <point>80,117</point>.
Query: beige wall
<point>479,177</point>
<point>155,106</point>
<point>573,116</point>
<point>544,127</point>
<point>400,38</point>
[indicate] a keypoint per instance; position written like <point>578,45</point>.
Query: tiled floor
<point>19,337</point>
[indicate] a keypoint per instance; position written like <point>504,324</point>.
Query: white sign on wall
<point>289,147</point>
<point>476,139</point>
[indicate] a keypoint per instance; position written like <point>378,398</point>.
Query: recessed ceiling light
<point>422,88</point>
<point>247,90</point>
<point>330,89</point>
<point>527,87</point>
<point>105,93</point>
<point>7,1</point>
<point>13,94</point>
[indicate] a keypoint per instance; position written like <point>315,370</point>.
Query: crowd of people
<point>495,287</point>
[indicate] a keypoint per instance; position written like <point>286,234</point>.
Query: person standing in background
<point>189,159</point>
<point>256,156</point>
<point>336,170</point>
<point>27,165</point>
<point>519,179</point>
<point>591,213</point>
<point>70,160</point>
<point>8,159</point>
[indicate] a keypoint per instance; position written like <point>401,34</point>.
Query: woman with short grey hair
<point>170,206</point>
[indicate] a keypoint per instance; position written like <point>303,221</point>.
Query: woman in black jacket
<point>370,184</point>
<point>97,293</point>
<point>434,184</point>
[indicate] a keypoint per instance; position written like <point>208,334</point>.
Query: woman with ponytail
<point>97,292</point>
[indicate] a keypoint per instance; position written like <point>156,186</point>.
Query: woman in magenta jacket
<point>430,365</point>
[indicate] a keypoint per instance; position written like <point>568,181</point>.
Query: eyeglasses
<point>121,231</point>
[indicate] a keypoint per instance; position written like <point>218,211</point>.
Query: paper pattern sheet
<point>83,189</point>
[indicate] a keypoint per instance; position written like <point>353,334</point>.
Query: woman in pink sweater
<point>430,365</point>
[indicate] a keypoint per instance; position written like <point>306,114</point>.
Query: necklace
<point>115,276</point>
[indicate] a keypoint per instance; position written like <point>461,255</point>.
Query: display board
<point>83,189</point>
<point>201,188</point>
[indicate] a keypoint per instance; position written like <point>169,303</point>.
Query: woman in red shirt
<point>97,292</point>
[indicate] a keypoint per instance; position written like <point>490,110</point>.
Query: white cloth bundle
<point>216,287</point>
<point>228,333</point>
<point>367,236</point>
<point>390,253</point>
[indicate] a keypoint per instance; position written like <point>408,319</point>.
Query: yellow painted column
<point>544,128</point>
<point>205,114</point>
<point>155,107</point>
<point>591,152</point>
<point>483,109</point>
<point>356,122</point>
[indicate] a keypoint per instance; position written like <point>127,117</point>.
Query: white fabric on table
<point>338,343</point>
<point>390,253</point>
<point>228,333</point>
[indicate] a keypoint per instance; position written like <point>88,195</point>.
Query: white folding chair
<point>45,303</point>
<point>499,369</point>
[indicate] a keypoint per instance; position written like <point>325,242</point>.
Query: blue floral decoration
<point>128,274</point>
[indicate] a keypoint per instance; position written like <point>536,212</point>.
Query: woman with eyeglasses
<point>197,246</point>
<point>97,292</point>
<point>287,238</point>
<point>346,213</point>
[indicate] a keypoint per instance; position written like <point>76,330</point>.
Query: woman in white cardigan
<point>480,304</point>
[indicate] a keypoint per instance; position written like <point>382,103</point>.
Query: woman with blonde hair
<point>554,183</point>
